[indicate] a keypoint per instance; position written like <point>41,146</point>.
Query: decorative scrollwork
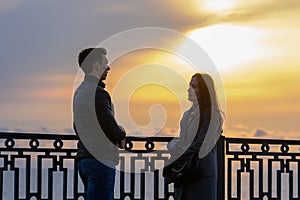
<point>9,143</point>
<point>149,145</point>
<point>34,143</point>
<point>245,147</point>
<point>128,145</point>
<point>58,144</point>
<point>284,148</point>
<point>265,148</point>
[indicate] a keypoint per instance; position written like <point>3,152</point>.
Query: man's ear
<point>96,66</point>
<point>99,68</point>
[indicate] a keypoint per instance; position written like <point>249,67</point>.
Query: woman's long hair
<point>208,105</point>
<point>206,94</point>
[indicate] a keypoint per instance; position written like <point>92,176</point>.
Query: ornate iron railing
<point>42,166</point>
<point>262,169</point>
<point>30,165</point>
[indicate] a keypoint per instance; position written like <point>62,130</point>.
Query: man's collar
<point>95,80</point>
<point>101,84</point>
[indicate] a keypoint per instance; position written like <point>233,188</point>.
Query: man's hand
<point>122,128</point>
<point>122,143</point>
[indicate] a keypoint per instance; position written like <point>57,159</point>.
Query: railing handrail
<point>66,136</point>
<point>261,140</point>
<point>24,135</point>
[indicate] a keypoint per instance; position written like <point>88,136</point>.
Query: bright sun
<point>228,45</point>
<point>217,5</point>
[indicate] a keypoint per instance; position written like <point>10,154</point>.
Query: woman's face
<point>193,90</point>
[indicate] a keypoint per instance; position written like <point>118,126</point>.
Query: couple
<point>100,136</point>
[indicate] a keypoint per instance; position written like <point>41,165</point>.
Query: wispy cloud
<point>10,5</point>
<point>243,131</point>
<point>267,11</point>
<point>260,133</point>
<point>4,129</point>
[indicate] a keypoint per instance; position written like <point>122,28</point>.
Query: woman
<point>200,129</point>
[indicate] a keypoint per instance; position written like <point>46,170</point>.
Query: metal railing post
<point>221,167</point>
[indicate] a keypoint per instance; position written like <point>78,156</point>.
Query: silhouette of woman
<point>200,128</point>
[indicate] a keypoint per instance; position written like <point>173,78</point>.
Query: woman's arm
<point>195,146</point>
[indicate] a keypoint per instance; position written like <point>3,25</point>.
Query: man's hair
<point>88,57</point>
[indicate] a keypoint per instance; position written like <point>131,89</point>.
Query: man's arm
<point>106,119</point>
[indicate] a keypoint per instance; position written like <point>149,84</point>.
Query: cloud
<point>136,134</point>
<point>260,133</point>
<point>168,132</point>
<point>68,130</point>
<point>4,129</point>
<point>244,131</point>
<point>18,130</point>
<point>239,127</point>
<point>177,14</point>
<point>9,5</point>
<point>265,11</point>
<point>43,129</point>
<point>41,39</point>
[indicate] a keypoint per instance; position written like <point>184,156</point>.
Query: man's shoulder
<point>87,85</point>
<point>85,88</point>
<point>102,93</point>
<point>88,88</point>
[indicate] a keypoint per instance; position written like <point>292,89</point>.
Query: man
<point>95,124</point>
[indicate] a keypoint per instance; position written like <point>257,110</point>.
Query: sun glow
<point>228,45</point>
<point>218,5</point>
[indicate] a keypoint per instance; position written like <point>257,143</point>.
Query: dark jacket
<point>194,129</point>
<point>94,122</point>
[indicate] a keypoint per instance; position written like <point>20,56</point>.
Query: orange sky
<point>254,45</point>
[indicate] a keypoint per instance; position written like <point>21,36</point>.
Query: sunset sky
<point>253,44</point>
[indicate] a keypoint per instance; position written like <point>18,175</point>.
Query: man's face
<point>104,68</point>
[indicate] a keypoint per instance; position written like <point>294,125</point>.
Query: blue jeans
<point>98,179</point>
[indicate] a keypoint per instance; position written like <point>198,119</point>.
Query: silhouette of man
<point>95,124</point>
